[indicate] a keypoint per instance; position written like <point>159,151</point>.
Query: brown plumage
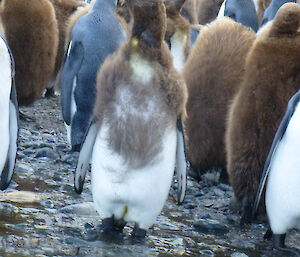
<point>63,10</point>
<point>124,16</point>
<point>32,34</point>
<point>207,10</point>
<point>160,83</point>
<point>213,73</point>
<point>178,28</point>
<point>189,11</point>
<point>272,77</point>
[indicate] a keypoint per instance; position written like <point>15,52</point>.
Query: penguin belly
<point>132,195</point>
<point>283,186</point>
<point>5,88</point>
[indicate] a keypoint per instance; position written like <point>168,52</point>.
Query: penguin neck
<point>142,48</point>
<point>178,49</point>
<point>99,4</point>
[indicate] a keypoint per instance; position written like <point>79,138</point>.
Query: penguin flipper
<point>181,165</point>
<point>85,156</point>
<point>7,171</point>
<point>277,139</point>
<point>73,61</point>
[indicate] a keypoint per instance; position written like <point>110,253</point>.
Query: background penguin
<point>282,173</point>
<point>261,7</point>
<point>242,11</point>
<point>9,115</point>
<point>189,11</point>
<point>94,36</point>
<point>271,78</point>
<point>208,10</point>
<point>32,34</point>
<point>213,73</point>
<point>63,10</point>
<point>272,9</point>
<point>136,131</point>
<point>178,33</point>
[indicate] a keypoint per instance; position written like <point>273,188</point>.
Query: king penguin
<point>272,9</point>
<point>136,136</point>
<point>242,11</point>
<point>94,36</point>
<point>9,115</point>
<point>281,175</point>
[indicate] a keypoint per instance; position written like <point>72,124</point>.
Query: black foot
<point>224,177</point>
<point>50,92</point>
<point>76,148</point>
<point>278,244</point>
<point>268,234</point>
<point>195,173</point>
<point>138,232</point>
<point>111,225</point>
<point>246,211</point>
<point>25,117</point>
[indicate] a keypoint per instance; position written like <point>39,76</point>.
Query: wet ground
<point>55,221</point>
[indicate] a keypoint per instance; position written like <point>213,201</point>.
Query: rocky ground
<point>55,221</point>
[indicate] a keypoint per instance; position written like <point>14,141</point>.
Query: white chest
<point>5,88</point>
<point>178,44</point>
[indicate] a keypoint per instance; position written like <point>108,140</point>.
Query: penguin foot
<point>76,148</point>
<point>246,211</point>
<point>110,225</point>
<point>278,244</point>
<point>268,234</point>
<point>195,173</point>
<point>25,117</point>
<point>50,92</point>
<point>224,177</point>
<point>138,233</point>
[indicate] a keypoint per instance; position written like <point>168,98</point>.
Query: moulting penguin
<point>95,35</point>
<point>136,136</point>
<point>271,79</point>
<point>9,115</point>
<point>213,73</point>
<point>178,33</point>
<point>208,10</point>
<point>281,175</point>
<point>35,26</point>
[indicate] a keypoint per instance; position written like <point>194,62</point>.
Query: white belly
<point>5,88</point>
<point>135,195</point>
<point>283,187</point>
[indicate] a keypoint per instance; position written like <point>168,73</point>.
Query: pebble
<point>238,255</point>
<point>23,168</point>
<point>210,226</point>
<point>84,209</point>
<point>46,152</point>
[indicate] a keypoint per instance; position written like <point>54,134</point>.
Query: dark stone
<point>210,226</point>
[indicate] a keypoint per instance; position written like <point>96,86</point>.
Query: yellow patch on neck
<point>134,42</point>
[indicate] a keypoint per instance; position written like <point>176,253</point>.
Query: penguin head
<point>242,11</point>
<point>272,9</point>
<point>286,21</point>
<point>123,11</point>
<point>149,24</point>
<point>175,21</point>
